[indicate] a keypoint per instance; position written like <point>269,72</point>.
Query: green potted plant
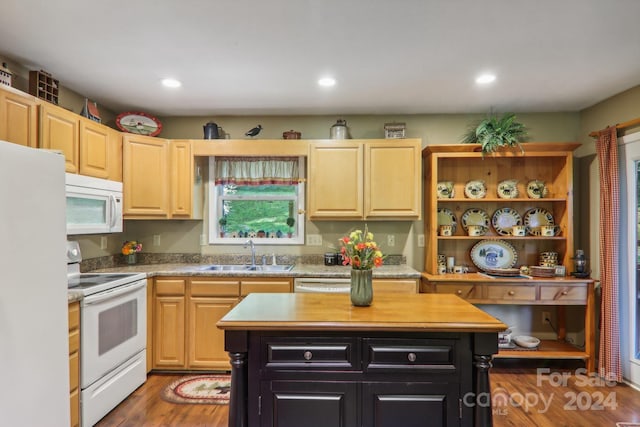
<point>222,222</point>
<point>290,222</point>
<point>495,132</point>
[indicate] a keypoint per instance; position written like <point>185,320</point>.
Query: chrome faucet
<point>253,253</point>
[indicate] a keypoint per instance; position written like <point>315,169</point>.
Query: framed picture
<point>139,122</point>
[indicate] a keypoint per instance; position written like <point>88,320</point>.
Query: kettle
<point>339,130</point>
<point>211,131</point>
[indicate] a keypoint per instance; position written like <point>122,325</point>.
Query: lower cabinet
<point>349,380</point>
<point>74,363</point>
<point>186,311</point>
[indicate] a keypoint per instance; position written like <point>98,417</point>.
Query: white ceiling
<point>241,57</point>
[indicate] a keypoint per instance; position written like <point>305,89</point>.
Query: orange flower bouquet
<point>131,247</point>
<point>360,251</point>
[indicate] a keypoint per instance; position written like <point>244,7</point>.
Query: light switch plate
<point>421,240</point>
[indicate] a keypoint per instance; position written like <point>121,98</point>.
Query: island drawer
<point>316,353</point>
<point>432,355</point>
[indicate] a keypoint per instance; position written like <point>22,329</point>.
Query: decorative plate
<point>475,189</point>
<point>505,218</point>
<point>536,189</point>
<point>139,122</point>
<point>490,255</point>
<point>446,217</point>
<point>536,218</point>
<point>508,189</point>
<point>445,190</point>
<point>474,217</point>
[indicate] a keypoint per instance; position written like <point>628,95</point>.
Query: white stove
<point>113,333</point>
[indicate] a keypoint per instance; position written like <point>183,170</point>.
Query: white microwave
<point>94,205</point>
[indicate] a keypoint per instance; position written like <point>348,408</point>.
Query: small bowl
<point>526,341</point>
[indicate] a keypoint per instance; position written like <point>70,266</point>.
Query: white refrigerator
<point>34,344</point>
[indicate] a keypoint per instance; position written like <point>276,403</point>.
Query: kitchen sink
<point>245,267</point>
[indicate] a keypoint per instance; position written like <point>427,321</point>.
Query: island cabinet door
<point>309,404</point>
<point>410,404</point>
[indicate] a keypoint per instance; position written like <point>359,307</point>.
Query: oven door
<point>113,329</point>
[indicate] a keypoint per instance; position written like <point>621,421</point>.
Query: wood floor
<point>521,396</point>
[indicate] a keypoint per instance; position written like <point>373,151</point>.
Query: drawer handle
<point>307,355</point>
<point>511,293</point>
<point>412,357</point>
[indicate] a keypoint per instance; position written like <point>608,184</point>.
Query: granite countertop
<point>299,270</point>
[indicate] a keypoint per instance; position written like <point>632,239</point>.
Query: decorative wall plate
<point>445,190</point>
<point>474,217</point>
<point>536,218</point>
<point>536,189</point>
<point>508,189</point>
<point>139,122</point>
<point>446,217</point>
<point>505,218</point>
<point>493,254</point>
<point>475,189</point>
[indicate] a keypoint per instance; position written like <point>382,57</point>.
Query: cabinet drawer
<point>564,294</point>
<point>74,341</point>
<point>316,353</point>
<point>248,287</point>
<point>74,316</point>
<point>170,287</point>
<point>217,288</point>
<point>410,355</point>
<point>74,370</point>
<point>511,292</point>
<point>463,290</point>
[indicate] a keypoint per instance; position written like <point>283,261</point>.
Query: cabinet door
<point>94,149</point>
<point>146,189</point>
<point>18,119</point>
<point>392,180</point>
<point>169,327</point>
<point>206,341</point>
<point>59,130</point>
<point>410,404</point>
<point>74,363</point>
<point>309,404</point>
<point>335,185</point>
<point>181,179</point>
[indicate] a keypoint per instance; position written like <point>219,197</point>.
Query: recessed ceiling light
<point>485,79</point>
<point>171,83</point>
<point>327,82</point>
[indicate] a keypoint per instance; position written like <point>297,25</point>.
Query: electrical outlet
<point>391,240</point>
<point>314,240</point>
<point>421,240</point>
<point>103,242</point>
<point>156,240</point>
<point>546,317</point>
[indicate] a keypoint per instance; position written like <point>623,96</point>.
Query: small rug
<point>203,389</point>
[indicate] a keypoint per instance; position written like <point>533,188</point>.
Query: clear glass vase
<point>361,287</point>
<point>132,258</point>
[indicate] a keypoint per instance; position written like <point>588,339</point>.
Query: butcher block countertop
<point>388,312</point>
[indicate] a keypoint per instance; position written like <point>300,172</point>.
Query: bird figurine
<point>254,131</point>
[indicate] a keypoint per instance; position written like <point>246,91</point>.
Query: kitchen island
<point>316,360</point>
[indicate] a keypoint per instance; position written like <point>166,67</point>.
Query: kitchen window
<point>259,198</point>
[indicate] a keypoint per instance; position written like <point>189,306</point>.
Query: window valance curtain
<point>257,170</point>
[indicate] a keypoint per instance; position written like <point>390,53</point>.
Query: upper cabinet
<point>158,177</point>
<point>18,118</point>
<point>89,148</point>
<point>365,179</point>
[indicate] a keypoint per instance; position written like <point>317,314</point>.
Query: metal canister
<point>330,258</point>
<point>339,130</point>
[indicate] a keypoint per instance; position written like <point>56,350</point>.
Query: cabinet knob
<point>565,293</point>
<point>412,357</point>
<point>307,355</point>
<point>511,293</point>
<point>459,292</point>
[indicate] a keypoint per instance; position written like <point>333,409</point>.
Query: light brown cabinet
<point>364,179</point>
<point>89,148</point>
<point>18,118</point>
<point>551,163</point>
<point>74,363</point>
<point>186,310</point>
<point>158,177</point>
